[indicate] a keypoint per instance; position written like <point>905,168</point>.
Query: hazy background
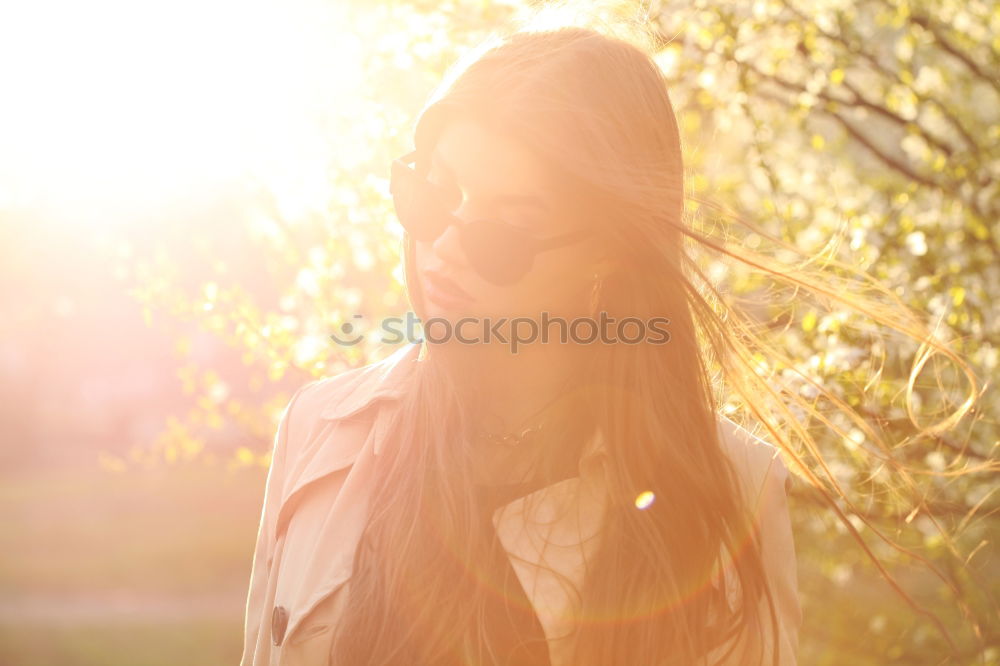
<point>193,195</point>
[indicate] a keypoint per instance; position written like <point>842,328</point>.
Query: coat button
<point>279,622</point>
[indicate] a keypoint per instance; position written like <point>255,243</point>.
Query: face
<point>483,175</point>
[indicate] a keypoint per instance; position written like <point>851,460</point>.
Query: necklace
<point>518,437</point>
<point>512,439</point>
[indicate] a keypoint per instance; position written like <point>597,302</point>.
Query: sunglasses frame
<point>401,170</point>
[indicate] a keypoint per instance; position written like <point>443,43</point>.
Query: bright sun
<point>115,105</point>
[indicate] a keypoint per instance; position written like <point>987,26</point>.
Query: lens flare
<point>644,499</point>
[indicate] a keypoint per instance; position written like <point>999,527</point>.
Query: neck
<point>516,387</point>
<point>512,392</point>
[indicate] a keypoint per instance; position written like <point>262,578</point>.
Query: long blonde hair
<point>596,108</point>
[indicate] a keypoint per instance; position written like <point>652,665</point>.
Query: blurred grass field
<point>120,643</point>
<point>151,566</point>
<point>143,567</point>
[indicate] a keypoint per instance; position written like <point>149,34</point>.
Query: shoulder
<point>340,396</point>
<point>317,433</point>
<point>354,389</point>
<point>758,462</point>
<point>766,479</point>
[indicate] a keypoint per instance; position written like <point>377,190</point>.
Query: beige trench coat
<point>315,505</point>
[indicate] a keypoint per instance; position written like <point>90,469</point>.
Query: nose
<point>447,246</point>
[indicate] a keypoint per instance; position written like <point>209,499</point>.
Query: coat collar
<point>386,380</point>
<point>382,380</point>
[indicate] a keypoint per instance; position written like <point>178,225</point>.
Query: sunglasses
<point>499,252</point>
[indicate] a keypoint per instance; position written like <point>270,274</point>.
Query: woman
<point>600,535</point>
<point>488,496</point>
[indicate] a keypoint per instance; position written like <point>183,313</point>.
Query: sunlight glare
<point>115,106</point>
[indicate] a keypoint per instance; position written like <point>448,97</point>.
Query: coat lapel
<point>347,435</point>
<point>343,429</point>
<point>326,568</point>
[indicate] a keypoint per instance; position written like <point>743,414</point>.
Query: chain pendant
<point>513,440</point>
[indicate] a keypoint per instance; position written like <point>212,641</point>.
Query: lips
<point>445,291</point>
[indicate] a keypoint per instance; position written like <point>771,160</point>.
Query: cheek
<point>421,251</point>
<point>555,284</point>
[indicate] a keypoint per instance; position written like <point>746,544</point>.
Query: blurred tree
<point>867,133</point>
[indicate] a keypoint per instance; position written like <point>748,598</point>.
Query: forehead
<point>489,162</point>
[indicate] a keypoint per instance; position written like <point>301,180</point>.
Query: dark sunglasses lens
<point>417,207</point>
<point>499,253</point>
